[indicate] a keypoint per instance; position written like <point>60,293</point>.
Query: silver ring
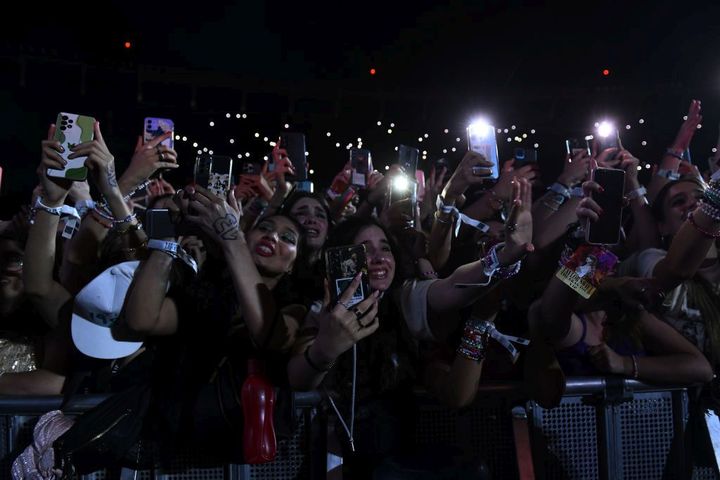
<point>344,304</point>
<point>477,169</point>
<point>157,149</point>
<point>162,156</point>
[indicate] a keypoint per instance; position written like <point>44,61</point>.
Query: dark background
<point>529,64</point>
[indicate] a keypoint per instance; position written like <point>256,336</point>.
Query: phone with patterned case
<point>214,172</point>
<point>342,264</point>
<point>72,129</point>
<point>155,126</point>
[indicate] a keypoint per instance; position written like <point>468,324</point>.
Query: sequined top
<point>17,355</point>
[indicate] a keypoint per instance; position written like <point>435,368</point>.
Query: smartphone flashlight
<point>400,183</point>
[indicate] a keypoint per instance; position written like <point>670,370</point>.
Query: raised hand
<point>473,169</point>
<point>54,189</point>
<point>688,127</point>
<point>100,162</point>
<point>217,217</point>
<point>339,327</point>
<point>577,166</point>
<point>147,159</point>
<point>518,227</point>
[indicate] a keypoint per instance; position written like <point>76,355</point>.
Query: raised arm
<point>673,156</point>
<point>444,296</point>
<point>46,294</point>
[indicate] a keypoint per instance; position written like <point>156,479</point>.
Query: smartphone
<point>574,144</point>
<point>305,186</point>
<point>213,172</point>
<point>342,264</point>
<point>294,145</point>
<point>524,156</point>
<point>158,223</point>
<point>403,189</point>
<point>408,159</point>
<point>154,127</point>
<point>611,140</point>
<point>606,231</point>
<point>420,181</point>
<point>361,164</point>
<point>72,129</point>
<point>251,167</point>
<point>482,140</point>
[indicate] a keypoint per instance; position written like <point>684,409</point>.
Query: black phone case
<point>342,264</point>
<point>158,223</point>
<point>408,159</point>
<point>294,144</point>
<point>606,231</point>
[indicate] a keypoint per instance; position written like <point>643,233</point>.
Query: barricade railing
<point>604,428</point>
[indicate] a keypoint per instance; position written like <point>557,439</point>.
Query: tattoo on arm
<point>227,227</point>
<point>111,178</point>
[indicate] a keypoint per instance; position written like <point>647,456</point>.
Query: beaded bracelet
<point>704,232</point>
<point>710,210</point>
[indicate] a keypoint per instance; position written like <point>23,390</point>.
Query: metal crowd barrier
<point>604,428</point>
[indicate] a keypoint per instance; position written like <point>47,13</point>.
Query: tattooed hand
<point>219,218</point>
<point>100,162</point>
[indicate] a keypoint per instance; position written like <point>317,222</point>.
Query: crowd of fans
<point>463,288</point>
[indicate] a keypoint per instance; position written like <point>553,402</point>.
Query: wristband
<point>637,193</point>
<point>84,206</point>
<point>63,210</point>
<point>577,192</point>
<point>561,189</point>
<point>669,174</point>
<point>174,250</point>
<point>458,217</point>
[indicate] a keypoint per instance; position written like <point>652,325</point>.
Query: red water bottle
<point>258,402</point>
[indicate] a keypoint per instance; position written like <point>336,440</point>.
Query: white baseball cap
<point>96,310</point>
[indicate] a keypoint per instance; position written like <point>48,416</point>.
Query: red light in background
<point>606,72</point>
<point>373,71</point>
<point>128,45</point>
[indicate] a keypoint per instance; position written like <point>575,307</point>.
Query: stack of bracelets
<point>474,341</point>
<point>710,206</point>
<point>493,269</point>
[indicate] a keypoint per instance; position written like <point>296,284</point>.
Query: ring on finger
<point>345,305</point>
<point>477,170</point>
<point>157,149</point>
<point>511,227</point>
<point>161,155</point>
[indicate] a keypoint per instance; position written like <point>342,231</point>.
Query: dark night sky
<point>422,44</point>
<point>501,57</point>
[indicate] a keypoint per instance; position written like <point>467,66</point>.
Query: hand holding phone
<point>342,265</point>
<point>294,145</point>
<point>482,140</point>
<point>158,224</point>
<point>71,130</point>
<point>214,172</point>
<point>610,200</point>
<point>361,164</point>
<point>408,159</point>
<point>524,156</point>
<point>155,127</point>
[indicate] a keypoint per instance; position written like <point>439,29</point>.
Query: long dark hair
<point>347,230</point>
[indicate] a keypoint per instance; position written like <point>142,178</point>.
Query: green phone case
<point>72,129</point>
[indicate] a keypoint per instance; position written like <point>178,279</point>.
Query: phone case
<point>408,159</point>
<point>606,231</point>
<point>342,264</point>
<point>524,156</point>
<point>484,142</point>
<point>251,167</point>
<point>586,268</point>
<point>214,172</point>
<point>158,223</point>
<point>154,127</point>
<point>294,144</point>
<point>361,164</point>
<point>72,129</point>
